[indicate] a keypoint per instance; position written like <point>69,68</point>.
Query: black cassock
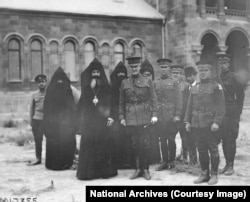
<point>93,112</point>
<point>122,150</point>
<point>59,113</point>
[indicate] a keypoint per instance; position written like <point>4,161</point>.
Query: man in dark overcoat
<point>234,98</point>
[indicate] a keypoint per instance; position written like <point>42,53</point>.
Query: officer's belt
<point>203,110</point>
<point>167,104</point>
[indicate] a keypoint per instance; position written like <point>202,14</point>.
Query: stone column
<point>47,62</point>
<point>221,12</point>
<point>26,76</point>
<point>202,8</point>
<point>248,9</point>
<point>60,52</point>
<point>248,63</point>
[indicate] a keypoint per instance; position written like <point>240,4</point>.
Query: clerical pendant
<point>95,100</point>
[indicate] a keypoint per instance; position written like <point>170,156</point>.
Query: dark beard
<point>98,82</point>
<point>118,82</point>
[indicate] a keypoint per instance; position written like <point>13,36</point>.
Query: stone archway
<point>238,47</point>
<point>208,53</point>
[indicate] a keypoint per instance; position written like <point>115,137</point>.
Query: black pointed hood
<point>147,66</point>
<point>120,67</point>
<point>86,76</point>
<point>59,103</point>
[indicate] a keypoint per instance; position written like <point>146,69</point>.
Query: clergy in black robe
<point>94,116</point>
<point>59,112</point>
<point>155,155</point>
<point>122,150</point>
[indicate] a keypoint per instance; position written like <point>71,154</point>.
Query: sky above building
<point>124,8</point>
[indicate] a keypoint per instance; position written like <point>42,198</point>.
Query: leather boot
<point>204,177</point>
<point>136,174</point>
<point>146,174</point>
<point>223,170</point>
<point>162,166</point>
<point>34,163</point>
<point>171,165</point>
<point>230,169</point>
<point>213,180</point>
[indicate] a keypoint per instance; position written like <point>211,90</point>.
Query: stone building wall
<point>15,96</point>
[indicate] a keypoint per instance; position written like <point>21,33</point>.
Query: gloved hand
<point>110,122</point>
<point>176,118</point>
<point>188,127</point>
<point>154,119</point>
<point>123,122</point>
<point>214,127</point>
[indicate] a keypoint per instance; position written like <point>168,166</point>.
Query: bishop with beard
<point>94,115</point>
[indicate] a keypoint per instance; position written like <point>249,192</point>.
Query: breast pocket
<point>128,91</point>
<point>208,96</point>
<point>195,98</point>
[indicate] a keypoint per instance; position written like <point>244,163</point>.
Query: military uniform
<point>36,117</point>
<point>138,103</point>
<point>170,105</point>
<point>234,98</point>
<point>206,107</point>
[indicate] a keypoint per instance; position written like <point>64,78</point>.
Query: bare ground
<point>19,180</point>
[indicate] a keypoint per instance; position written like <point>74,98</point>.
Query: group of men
<point>201,109</point>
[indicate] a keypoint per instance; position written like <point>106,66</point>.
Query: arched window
<point>137,50</point>
<point>211,3</point>
<point>236,5</point>
<point>119,53</point>
<point>53,58</point>
<point>89,53</point>
<point>14,56</point>
<point>105,56</point>
<point>70,59</point>
<point>36,58</point>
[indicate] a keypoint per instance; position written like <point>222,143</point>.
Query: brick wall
<point>14,97</point>
<point>51,26</point>
<point>14,106</point>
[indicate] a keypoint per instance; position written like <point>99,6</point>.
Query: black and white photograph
<point>129,94</point>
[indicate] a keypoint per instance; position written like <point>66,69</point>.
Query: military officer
<point>234,98</point>
<point>36,116</point>
<point>170,110</point>
<point>177,73</point>
<point>137,97</point>
<point>204,114</point>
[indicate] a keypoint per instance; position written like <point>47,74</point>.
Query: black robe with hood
<point>122,151</point>
<point>59,112</point>
<point>95,154</point>
<point>155,156</point>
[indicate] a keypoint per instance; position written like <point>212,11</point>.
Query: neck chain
<point>95,92</point>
